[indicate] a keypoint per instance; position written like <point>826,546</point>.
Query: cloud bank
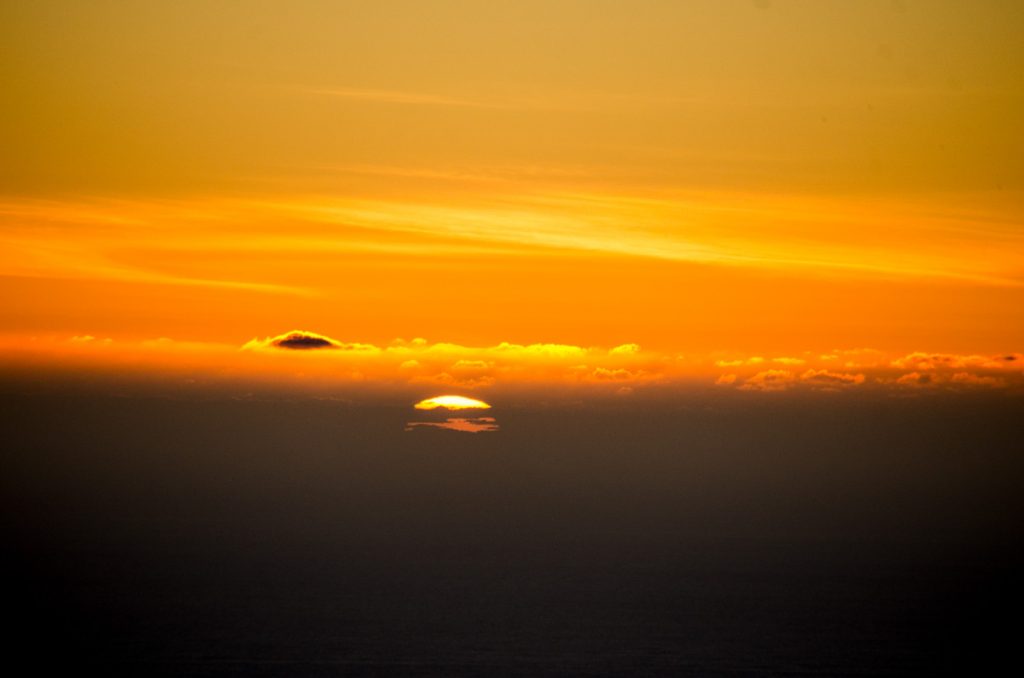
<point>626,369</point>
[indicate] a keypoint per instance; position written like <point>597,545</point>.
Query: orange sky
<point>774,179</point>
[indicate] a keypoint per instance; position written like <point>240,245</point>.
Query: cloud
<point>831,380</point>
<point>753,360</point>
<point>422,361</point>
<point>856,357</point>
<point>463,424</point>
<point>121,240</point>
<point>294,340</point>
<point>301,340</point>
<point>950,381</point>
<point>605,374</point>
<point>870,368</point>
<point>952,361</point>
<point>472,365</point>
<point>447,379</point>
<point>969,379</point>
<point>915,379</point>
<point>410,98</point>
<point>542,350</point>
<point>757,360</point>
<point>304,341</point>
<point>324,359</point>
<point>769,380</point>
<point>780,380</point>
<point>88,339</point>
<point>445,363</point>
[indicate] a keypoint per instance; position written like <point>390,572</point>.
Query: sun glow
<point>748,179</point>
<point>452,402</point>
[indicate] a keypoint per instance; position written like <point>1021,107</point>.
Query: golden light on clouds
<point>307,360</point>
<point>524,181</point>
<point>806,271</point>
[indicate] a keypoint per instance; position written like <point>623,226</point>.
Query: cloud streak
<point>143,241</point>
<point>404,98</point>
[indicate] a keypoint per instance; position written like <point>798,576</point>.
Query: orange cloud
<point>950,381</point>
<point>976,380</point>
<point>916,379</point>
<point>603,373</point>
<point>780,380</point>
<point>949,361</point>
<point>447,379</point>
<point>828,379</point>
<point>307,356</point>
<point>769,380</point>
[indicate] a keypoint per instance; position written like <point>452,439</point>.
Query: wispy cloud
<point>43,258</point>
<point>766,233</point>
<point>407,98</point>
<point>145,241</point>
<point>550,101</point>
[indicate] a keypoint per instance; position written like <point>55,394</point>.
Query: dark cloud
<point>303,341</point>
<point>826,378</point>
<point>296,340</point>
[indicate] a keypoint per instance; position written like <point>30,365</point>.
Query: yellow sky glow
<point>712,178</point>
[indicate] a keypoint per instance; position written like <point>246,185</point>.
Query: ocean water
<point>193,536</point>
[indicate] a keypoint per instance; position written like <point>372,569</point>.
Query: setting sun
<point>452,402</point>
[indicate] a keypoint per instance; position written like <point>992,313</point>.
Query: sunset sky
<point>753,193</point>
<point>512,337</point>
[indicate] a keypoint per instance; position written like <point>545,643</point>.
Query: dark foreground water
<point>210,537</point>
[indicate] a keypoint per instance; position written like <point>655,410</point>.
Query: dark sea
<point>762,535</point>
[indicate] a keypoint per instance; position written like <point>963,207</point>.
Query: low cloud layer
<point>629,366</point>
<point>870,368</point>
<point>627,370</point>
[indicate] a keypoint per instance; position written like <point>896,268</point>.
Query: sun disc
<point>452,402</point>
